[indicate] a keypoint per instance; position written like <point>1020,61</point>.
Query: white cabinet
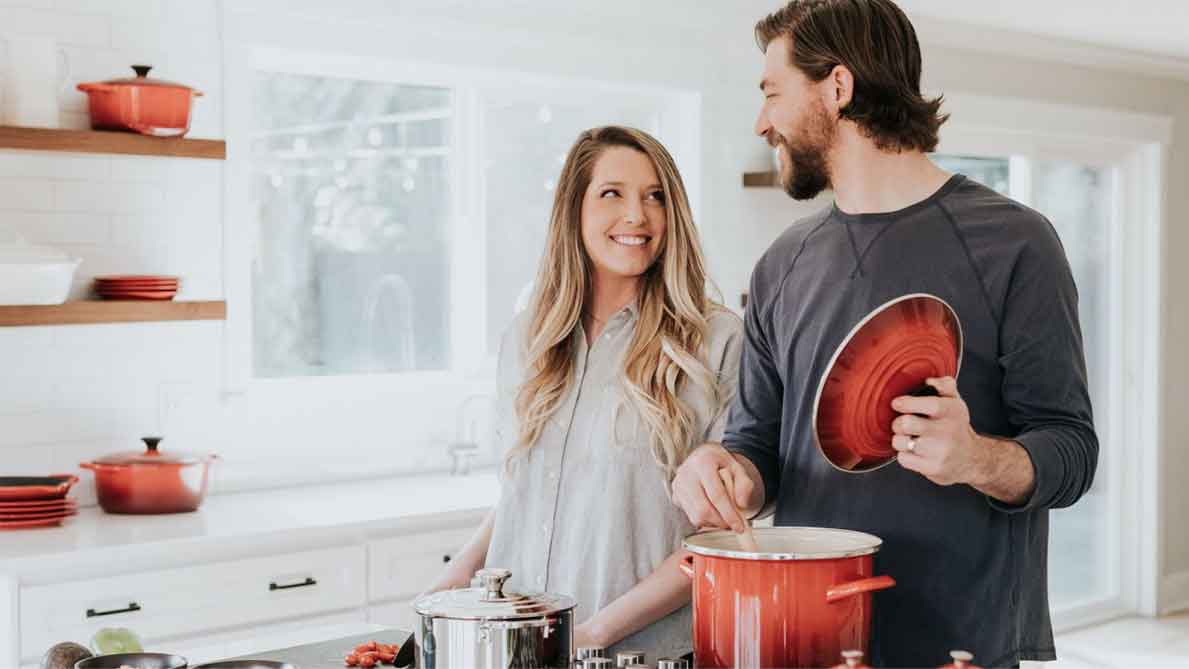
<point>394,614</point>
<point>401,567</point>
<point>178,603</point>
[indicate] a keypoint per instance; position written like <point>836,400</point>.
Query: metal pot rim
<point>847,543</point>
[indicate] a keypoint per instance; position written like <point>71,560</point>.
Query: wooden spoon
<point>746,539</point>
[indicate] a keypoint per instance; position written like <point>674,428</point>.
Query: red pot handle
<point>844,590</point>
<point>96,87</point>
<point>687,566</point>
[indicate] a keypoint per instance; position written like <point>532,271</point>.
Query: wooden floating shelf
<point>102,141</point>
<point>759,179</point>
<point>111,311</point>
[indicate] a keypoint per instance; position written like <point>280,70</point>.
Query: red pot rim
<point>786,544</point>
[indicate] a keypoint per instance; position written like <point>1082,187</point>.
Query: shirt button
<point>540,581</point>
<point>545,528</point>
<point>552,474</point>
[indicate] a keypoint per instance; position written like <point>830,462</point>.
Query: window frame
<point>470,363</point>
<point>1136,145</point>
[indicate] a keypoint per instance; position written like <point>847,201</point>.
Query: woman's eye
<point>657,196</point>
<point>611,191</point>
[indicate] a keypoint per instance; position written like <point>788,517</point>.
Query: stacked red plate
<point>137,287</point>
<point>35,501</point>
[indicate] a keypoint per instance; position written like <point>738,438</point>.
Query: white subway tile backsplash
<point>29,164</point>
<point>65,27</point>
<point>108,197</point>
<point>27,194</point>
<point>138,168</point>
<point>57,227</point>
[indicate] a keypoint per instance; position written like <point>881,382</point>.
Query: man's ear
<point>841,87</point>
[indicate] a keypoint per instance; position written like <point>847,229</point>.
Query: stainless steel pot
<point>487,628</point>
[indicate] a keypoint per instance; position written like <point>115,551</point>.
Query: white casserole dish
<point>32,274</point>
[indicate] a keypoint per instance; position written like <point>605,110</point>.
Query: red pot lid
<point>150,456</point>
<point>142,78</point>
<point>891,352</point>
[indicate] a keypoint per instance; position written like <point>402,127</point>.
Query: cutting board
<point>330,654</point>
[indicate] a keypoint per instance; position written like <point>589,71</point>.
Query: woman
<point>620,366</point>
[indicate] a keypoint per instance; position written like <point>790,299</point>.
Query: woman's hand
<point>586,636</point>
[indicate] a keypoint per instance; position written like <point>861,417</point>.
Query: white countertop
<point>228,525</point>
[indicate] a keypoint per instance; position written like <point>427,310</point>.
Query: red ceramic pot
<point>140,104</point>
<point>150,481</point>
<point>800,601</point>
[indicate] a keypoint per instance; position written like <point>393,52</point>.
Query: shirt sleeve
<point>753,424</point>
<point>1044,376</point>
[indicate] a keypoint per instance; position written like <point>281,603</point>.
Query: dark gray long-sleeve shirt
<point>970,571</point>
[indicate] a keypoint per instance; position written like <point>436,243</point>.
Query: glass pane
<point>990,172</point>
<point>1079,200</point>
<point>526,137</point>
<point>352,188</point>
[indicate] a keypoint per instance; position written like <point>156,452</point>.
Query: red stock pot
<point>799,601</point>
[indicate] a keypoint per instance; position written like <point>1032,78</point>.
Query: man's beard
<point>807,173</point>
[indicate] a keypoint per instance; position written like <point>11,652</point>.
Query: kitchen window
<point>400,219</point>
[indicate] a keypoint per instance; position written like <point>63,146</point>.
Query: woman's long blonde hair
<point>666,352</point>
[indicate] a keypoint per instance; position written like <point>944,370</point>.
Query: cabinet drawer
<point>402,567</point>
<point>178,602</point>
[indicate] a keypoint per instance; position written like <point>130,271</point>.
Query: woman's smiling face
<point>623,214</point>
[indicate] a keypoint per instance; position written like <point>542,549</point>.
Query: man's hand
<point>934,436</point>
<point>935,439</point>
<point>698,488</point>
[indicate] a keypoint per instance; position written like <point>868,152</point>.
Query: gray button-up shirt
<point>586,513</point>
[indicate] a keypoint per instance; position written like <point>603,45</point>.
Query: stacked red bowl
<point>35,501</point>
<point>137,287</point>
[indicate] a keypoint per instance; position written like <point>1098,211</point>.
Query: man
<point>963,514</point>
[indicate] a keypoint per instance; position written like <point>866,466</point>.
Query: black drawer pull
<point>132,606</point>
<point>303,584</point>
<point>445,558</point>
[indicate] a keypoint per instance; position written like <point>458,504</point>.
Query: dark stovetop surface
<point>330,654</point>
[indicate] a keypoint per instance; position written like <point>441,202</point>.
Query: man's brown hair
<point>877,43</point>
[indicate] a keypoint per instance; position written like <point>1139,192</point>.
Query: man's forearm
<point>1005,472</point>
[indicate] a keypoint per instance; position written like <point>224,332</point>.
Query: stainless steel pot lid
<point>490,602</point>
<point>786,543</point>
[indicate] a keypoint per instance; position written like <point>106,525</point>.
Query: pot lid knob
<point>961,658</point>
<point>852,657</point>
<point>492,581</point>
<point>142,71</point>
<point>152,442</point>
<point>587,652</point>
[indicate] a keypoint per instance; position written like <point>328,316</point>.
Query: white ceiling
<point>1158,27</point>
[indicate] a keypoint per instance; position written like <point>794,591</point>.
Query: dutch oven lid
<point>142,78</point>
<point>786,543</point>
<point>490,602</point>
<point>149,456</point>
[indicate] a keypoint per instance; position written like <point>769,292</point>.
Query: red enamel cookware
<point>889,353</point>
<point>150,481</point>
<point>140,104</point>
<point>800,601</point>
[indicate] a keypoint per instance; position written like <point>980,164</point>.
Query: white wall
<point>71,393</point>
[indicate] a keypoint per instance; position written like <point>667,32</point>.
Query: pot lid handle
<point>151,442</point>
<point>142,71</point>
<point>492,582</point>
<point>961,658</point>
<point>852,657</point>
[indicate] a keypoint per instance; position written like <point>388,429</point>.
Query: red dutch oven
<point>150,481</point>
<point>140,104</point>
<point>800,601</point>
